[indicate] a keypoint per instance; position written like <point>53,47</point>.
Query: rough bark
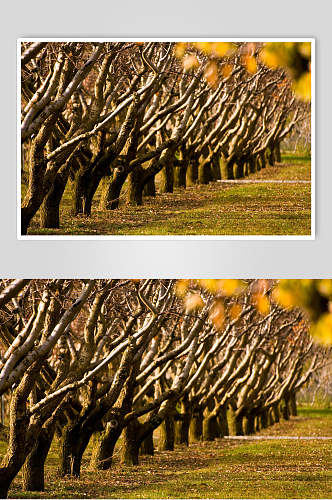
<point>135,187</point>
<point>131,444</point>
<point>180,176</point>
<point>50,208</point>
<point>166,434</point>
<point>192,172</point>
<point>292,404</point>
<point>33,469</point>
<point>196,426</point>
<point>167,179</point>
<point>103,446</point>
<point>111,190</point>
<point>147,446</point>
<point>238,169</point>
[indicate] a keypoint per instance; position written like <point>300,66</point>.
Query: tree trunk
<point>249,424</point>
<point>236,423</point>
<point>277,153</point>
<point>227,169</point>
<point>292,405</point>
<point>83,194</point>
<point>192,172</point>
<point>276,412</point>
<point>286,408</point>
<point>33,469</point>
<point>147,447</point>
<point>167,179</point>
<point>150,187</point>
<point>103,446</point>
<point>257,423</point>
<point>263,160</point>
<point>166,435</point>
<point>252,165</point>
<point>210,428</point>
<point>135,187</point>
<point>223,422</point>
<point>270,417</point>
<point>238,169</point>
<point>182,425</point>
<point>271,157</point>
<point>264,419</point>
<point>111,190</point>
<point>131,444</point>
<point>204,172</point>
<point>196,426</point>
<point>180,176</point>
<point>6,478</point>
<point>215,169</point>
<point>70,453</point>
<point>50,208</point>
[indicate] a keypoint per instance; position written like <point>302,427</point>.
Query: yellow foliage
<point>181,288</point>
<point>325,287</point>
<point>180,49</point>
<point>211,74</point>
<point>190,61</point>
<point>230,287</point>
<point>322,329</point>
<point>235,311</point>
<point>302,86</point>
<point>222,49</point>
<point>193,301</point>
<point>250,63</point>
<point>204,46</point>
<point>210,285</point>
<point>226,70</point>
<point>261,302</point>
<point>217,314</point>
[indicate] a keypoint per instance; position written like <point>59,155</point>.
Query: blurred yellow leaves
<point>250,63</point>
<point>180,49</point>
<point>217,314</point>
<point>296,58</point>
<point>302,86</point>
<point>235,311</point>
<point>261,303</point>
<point>190,61</point>
<point>322,330</point>
<point>193,302</point>
<point>315,297</point>
<point>211,74</point>
<point>226,70</point>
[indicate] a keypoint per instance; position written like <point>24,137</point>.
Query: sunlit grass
<point>215,209</point>
<point>219,469</point>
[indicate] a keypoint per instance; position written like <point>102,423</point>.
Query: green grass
<point>215,209</point>
<point>219,469</point>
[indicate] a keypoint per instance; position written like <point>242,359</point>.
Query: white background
<point>166,258</point>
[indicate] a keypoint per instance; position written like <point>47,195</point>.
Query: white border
<point>171,237</point>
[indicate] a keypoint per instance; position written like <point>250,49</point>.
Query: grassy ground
<point>216,209</point>
<point>219,469</point>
